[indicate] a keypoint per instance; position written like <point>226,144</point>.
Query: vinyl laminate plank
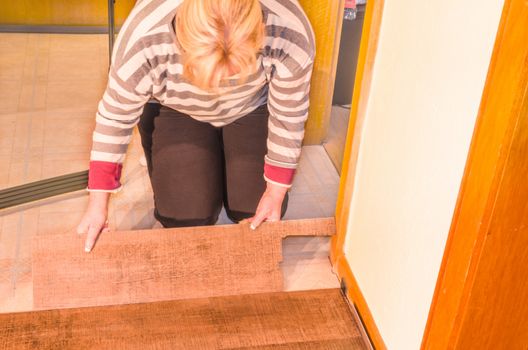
<point>317,319</point>
<point>163,264</point>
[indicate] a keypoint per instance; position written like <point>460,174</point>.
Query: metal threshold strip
<point>33,191</point>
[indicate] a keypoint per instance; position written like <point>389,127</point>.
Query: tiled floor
<point>335,141</point>
<point>49,89</point>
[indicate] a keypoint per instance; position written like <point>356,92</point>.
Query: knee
<point>175,207</point>
<point>238,215</point>
<point>175,221</point>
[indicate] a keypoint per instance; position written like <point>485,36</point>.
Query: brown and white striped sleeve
<point>128,90</point>
<point>292,53</point>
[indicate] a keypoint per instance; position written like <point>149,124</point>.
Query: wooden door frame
<point>506,81</point>
<point>504,94</point>
<point>365,65</point>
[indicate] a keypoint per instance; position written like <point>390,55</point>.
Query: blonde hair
<point>220,38</point>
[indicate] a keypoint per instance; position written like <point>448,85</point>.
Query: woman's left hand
<point>269,207</point>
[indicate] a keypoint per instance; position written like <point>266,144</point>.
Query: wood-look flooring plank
<point>163,264</point>
<point>317,319</point>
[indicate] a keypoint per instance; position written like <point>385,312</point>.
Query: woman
<point>232,79</point>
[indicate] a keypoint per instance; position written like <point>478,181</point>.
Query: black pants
<point>195,168</point>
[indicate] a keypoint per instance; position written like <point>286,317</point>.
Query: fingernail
<point>87,248</point>
<point>252,227</point>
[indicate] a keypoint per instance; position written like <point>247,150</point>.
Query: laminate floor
<point>317,319</point>
<point>164,264</point>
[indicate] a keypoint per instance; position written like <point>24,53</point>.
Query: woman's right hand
<point>94,220</point>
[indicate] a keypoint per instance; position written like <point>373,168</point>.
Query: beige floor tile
<point>8,236</point>
<point>322,168</point>
<point>67,43</point>
<point>134,218</point>
<point>306,246</point>
<point>57,222</point>
<point>27,169</point>
<point>132,197</point>
<point>7,292</point>
<point>57,164</point>
<point>17,230</point>
<point>6,267</point>
<point>29,230</point>
<point>28,135</point>
<point>73,135</point>
<point>78,93</point>
<point>13,41</point>
<point>335,141</point>
<point>33,96</point>
<point>303,206</point>
<point>7,133</point>
<point>104,61</point>
<point>12,64</point>
<point>5,163</point>
<point>37,58</point>
<point>132,194</point>
<point>71,112</point>
<point>23,272</point>
<point>223,219</point>
<point>299,185</point>
<point>66,203</point>
<point>9,95</point>
<point>17,299</point>
<point>40,41</point>
<point>36,70</point>
<point>308,274</point>
<point>74,66</point>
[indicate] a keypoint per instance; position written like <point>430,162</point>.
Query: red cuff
<point>104,175</point>
<point>278,174</point>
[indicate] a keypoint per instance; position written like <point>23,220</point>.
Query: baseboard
<point>355,296</point>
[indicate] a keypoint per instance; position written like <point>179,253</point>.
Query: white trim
<point>107,191</point>
<point>273,162</point>
<point>276,183</point>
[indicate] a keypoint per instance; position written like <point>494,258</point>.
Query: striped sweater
<point>146,64</point>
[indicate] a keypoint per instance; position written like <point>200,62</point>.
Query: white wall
<point>428,78</point>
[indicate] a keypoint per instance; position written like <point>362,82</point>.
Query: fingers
<point>261,216</point>
<point>268,209</point>
<point>93,233</point>
<point>257,219</point>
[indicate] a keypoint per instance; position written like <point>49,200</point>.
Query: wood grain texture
<point>163,264</point>
<point>63,12</point>
<point>319,319</point>
<point>326,18</point>
<point>481,296</point>
<point>496,313</point>
<point>366,58</point>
